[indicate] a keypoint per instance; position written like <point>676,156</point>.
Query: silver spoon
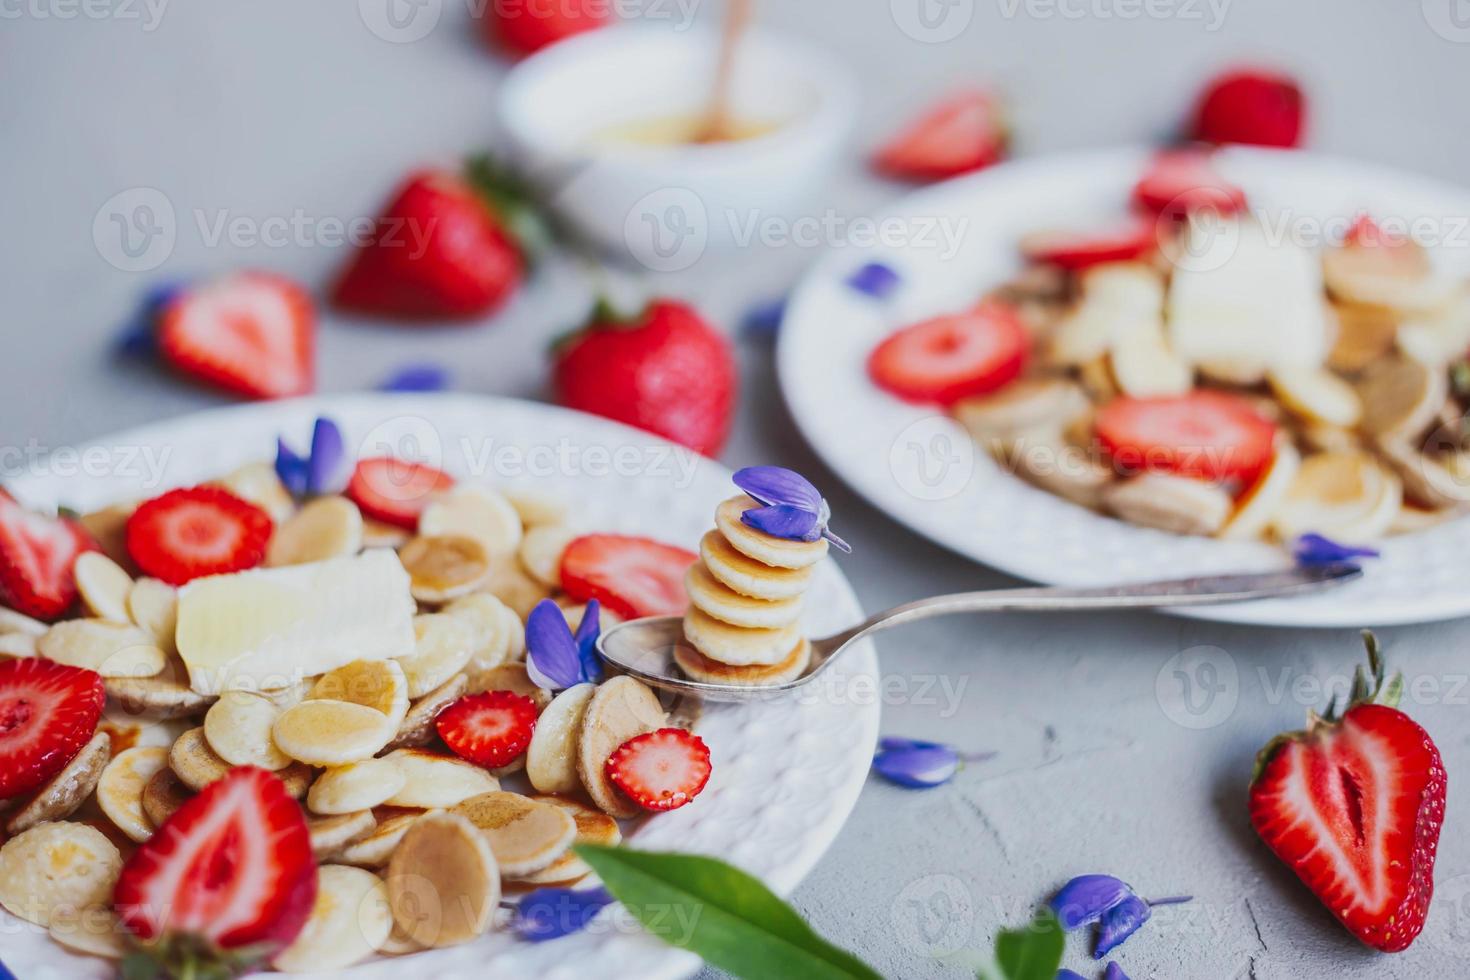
<point>644,648</point>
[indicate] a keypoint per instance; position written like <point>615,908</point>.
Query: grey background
<point>261,109</point>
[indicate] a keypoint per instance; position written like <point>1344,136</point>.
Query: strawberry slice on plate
<point>1181,181</point>
<point>395,491</point>
<point>660,770</point>
<point>634,577</point>
<point>48,711</point>
<point>252,333</point>
<point>1077,250</point>
<point>36,558</point>
<point>196,531</point>
<point>1354,805</point>
<point>230,872</point>
<point>1207,435</point>
<point>490,729</point>
<point>965,132</point>
<point>947,358</point>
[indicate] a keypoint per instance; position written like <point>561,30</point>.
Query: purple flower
<point>416,377</point>
<point>919,765</point>
<point>1085,898</point>
<point>1314,550</point>
<point>1120,922</point>
<point>139,336</point>
<point>555,658</point>
<point>5,974</point>
<point>790,508</point>
<point>1114,972</point>
<point>323,470</point>
<point>875,279</point>
<point>550,913</point>
<point>764,319</point>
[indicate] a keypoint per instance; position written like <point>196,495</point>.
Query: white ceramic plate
<point>920,466</point>
<point>786,775</point>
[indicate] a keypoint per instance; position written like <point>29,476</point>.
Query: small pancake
<point>765,548</point>
<point>748,576</point>
<point>722,602</point>
<point>701,668</point>
<point>737,645</point>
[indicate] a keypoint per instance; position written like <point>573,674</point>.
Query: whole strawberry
<point>665,370</point>
<point>1354,806</point>
<point>526,26</point>
<point>1251,105</point>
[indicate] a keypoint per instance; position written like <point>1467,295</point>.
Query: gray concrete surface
<point>274,109</point>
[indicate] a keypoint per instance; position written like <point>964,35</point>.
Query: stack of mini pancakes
<point>745,599</point>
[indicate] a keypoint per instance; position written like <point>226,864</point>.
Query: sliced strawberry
<point>252,333</point>
<point>527,27</point>
<point>660,770</point>
<point>48,711</point>
<point>1251,105</point>
<point>36,558</point>
<point>491,729</point>
<point>951,357</point>
<point>1078,250</point>
<point>232,868</point>
<point>963,133</point>
<point>633,577</point>
<point>196,531</point>
<point>1208,435</point>
<point>1181,181</point>
<point>395,491</point>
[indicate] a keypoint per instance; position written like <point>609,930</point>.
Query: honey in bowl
<point>680,130</point>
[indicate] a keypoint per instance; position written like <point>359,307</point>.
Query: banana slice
<point>541,551</point>
<point>1096,378</point>
<point>1115,298</point>
<point>1255,510</point>
<point>621,709</point>
<point>1317,395</point>
<point>163,794</point>
<point>120,789</point>
<point>92,931</point>
<point>332,733</point>
<point>109,528</point>
<point>325,528</point>
<point>445,567</point>
<point>514,586</point>
<point>526,836</point>
<point>714,597</point>
<point>377,684</point>
<point>748,576</point>
<point>110,649</point>
<point>238,728</point>
<point>535,508</point>
<point>551,759</point>
<point>442,648</point>
<point>1059,467</point>
<point>331,834</point>
<point>257,483</point>
<point>104,586</point>
<point>1318,438</point>
<point>738,646</point>
<point>515,630</point>
<point>435,780</point>
<point>593,827</point>
<point>509,677</point>
<point>1241,373</point>
<point>356,786</point>
<point>493,625</point>
<point>349,921</point>
<point>375,848</point>
<point>443,882</point>
<point>698,667</point>
<point>1427,482</point>
<point>14,622</point>
<point>67,790</point>
<point>763,547</point>
<point>376,534</point>
<point>17,646</point>
<point>1144,364</point>
<point>1348,497</point>
<point>165,695</point>
<point>1401,397</point>
<point>57,866</point>
<point>153,606</point>
<point>417,728</point>
<point>400,944</point>
<point>1030,403</point>
<point>475,512</point>
<point>1169,503</point>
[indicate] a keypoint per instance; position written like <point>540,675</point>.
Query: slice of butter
<point>268,628</point>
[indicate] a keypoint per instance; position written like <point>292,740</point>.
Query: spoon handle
<point>1200,591</point>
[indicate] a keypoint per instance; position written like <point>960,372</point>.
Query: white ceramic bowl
<point>664,205</point>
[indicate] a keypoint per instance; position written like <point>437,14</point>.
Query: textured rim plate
<point>920,466</point>
<point>786,774</point>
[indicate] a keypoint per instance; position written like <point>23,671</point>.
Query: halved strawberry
<point>490,729</point>
<point>634,577</point>
<point>660,770</point>
<point>36,557</point>
<point>527,27</point>
<point>963,133</point>
<point>1354,806</point>
<point>1181,181</point>
<point>1251,105</point>
<point>48,711</point>
<point>1077,250</point>
<point>231,870</point>
<point>1208,435</point>
<point>395,491</point>
<point>252,333</point>
<point>196,531</point>
<point>947,358</point>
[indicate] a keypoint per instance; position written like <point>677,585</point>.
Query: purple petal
<point>550,913</point>
<point>1312,550</point>
<point>778,485</point>
<point>416,377</point>
<point>586,640</point>
<point>1085,898</point>
<point>875,279</point>
<point>1114,972</point>
<point>552,659</point>
<point>1120,922</point>
<point>327,472</point>
<point>784,521</point>
<point>764,319</point>
<point>139,336</point>
<point>5,974</point>
<point>917,765</point>
<point>292,469</point>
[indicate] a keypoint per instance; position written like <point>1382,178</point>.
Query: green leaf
<point>1033,952</point>
<point>721,913</point>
